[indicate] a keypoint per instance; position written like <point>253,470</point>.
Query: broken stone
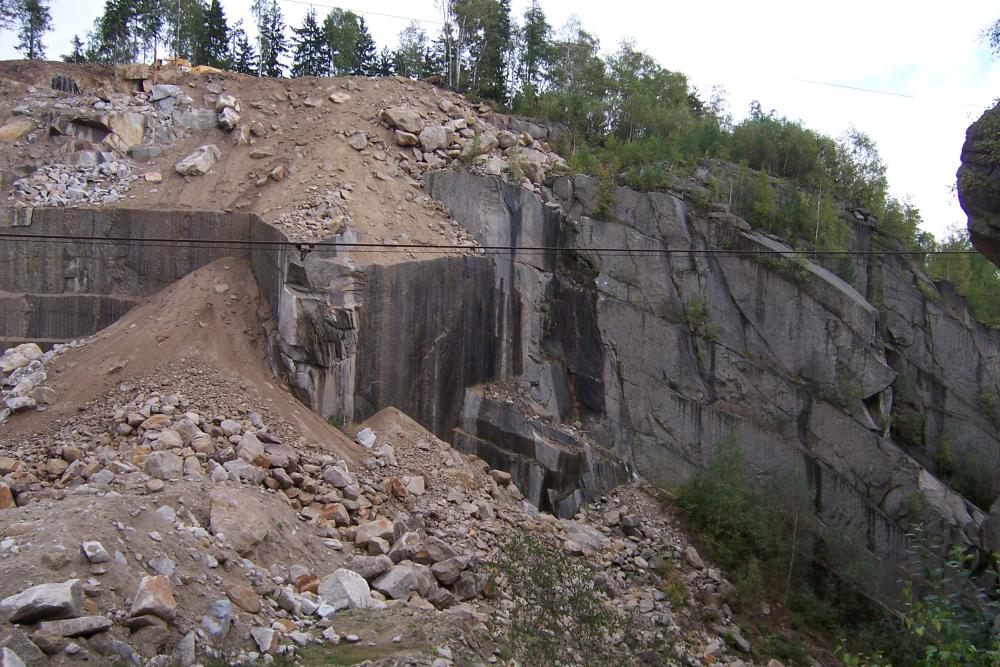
<point>155,596</point>
<point>199,162</point>
<point>45,601</point>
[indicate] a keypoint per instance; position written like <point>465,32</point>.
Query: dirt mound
<point>210,319</point>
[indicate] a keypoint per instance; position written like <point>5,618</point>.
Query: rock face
<point>979,183</point>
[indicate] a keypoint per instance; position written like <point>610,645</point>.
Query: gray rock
<point>369,567</point>
<point>84,626</point>
<point>154,596</point>
<point>398,583</point>
<point>197,119</point>
<point>217,621</point>
<point>366,438</point>
<point>358,141</point>
<point>403,118</point>
<point>27,650</point>
<point>163,465</point>
<point>162,90</point>
<point>338,476</point>
<point>10,659</point>
<point>434,137</point>
<point>95,552</point>
<point>184,652</point>
<point>240,517</point>
<point>228,119</point>
<point>346,589</point>
<point>250,448</point>
<point>199,162</point>
<point>45,601</point>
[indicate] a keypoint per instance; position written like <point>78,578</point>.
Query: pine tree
<point>365,53</point>
<point>212,48</point>
<point>78,54</point>
<point>311,56</point>
<point>243,58</point>
<point>35,20</point>
<point>270,35</point>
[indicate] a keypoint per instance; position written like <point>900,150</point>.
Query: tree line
<point>630,120</point>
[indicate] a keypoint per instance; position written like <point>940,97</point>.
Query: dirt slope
<point>210,319</point>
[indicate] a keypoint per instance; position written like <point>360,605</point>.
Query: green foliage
<point>946,618</point>
<point>243,57</point>
<point>696,314</point>
<point>271,42</point>
<point>847,392</point>
<point>408,59</point>
<point>973,276</point>
<point>557,614</point>
<point>213,42</point>
<point>966,467</point>
<point>35,20</point>
<point>311,55</point>
<point>743,522</point>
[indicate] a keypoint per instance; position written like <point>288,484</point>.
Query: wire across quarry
<point>437,248</point>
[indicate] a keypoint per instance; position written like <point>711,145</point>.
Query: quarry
<point>289,360</point>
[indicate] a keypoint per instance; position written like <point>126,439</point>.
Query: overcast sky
<point>799,58</point>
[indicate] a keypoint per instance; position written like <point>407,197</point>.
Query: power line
<point>435,248</point>
<point>366,12</point>
<point>876,91</point>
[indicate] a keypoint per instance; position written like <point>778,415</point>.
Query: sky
<point>805,60</point>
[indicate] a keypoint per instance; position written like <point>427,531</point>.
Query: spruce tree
<point>213,43</point>
<point>365,54</point>
<point>78,54</point>
<point>242,58</point>
<point>311,56</point>
<point>384,67</point>
<point>113,36</point>
<point>271,36</point>
<point>35,20</point>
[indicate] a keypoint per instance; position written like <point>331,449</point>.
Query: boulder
<point>398,583</point>
<point>434,137</point>
<point>345,589</point>
<point>217,621</point>
<point>358,141</point>
<point>155,596</point>
<point>240,517</point>
<point>369,567</point>
<point>129,127</point>
<point>226,101</point>
<point>95,552</point>
<point>228,119</point>
<point>197,119</point>
<point>199,162</point>
<point>403,118</point>
<point>366,532</point>
<point>250,448</point>
<point>163,465</point>
<point>405,139</point>
<point>42,602</point>
<point>15,128</point>
<point>84,626</point>
<point>10,659</point>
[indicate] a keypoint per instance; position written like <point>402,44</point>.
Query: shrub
<point>946,619</point>
<point>557,615</point>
